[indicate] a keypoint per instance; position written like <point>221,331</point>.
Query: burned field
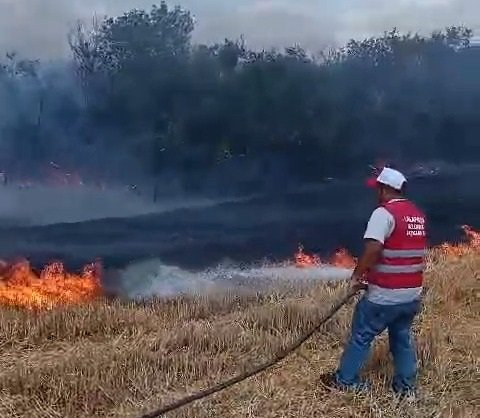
<point>68,351</point>
<point>105,358</point>
<point>175,211</point>
<point>271,226</point>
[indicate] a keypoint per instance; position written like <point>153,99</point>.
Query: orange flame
<point>342,258</point>
<point>20,286</point>
<point>473,237</point>
<point>471,246</point>
<point>306,260</point>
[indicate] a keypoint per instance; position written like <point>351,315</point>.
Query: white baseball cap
<point>391,178</point>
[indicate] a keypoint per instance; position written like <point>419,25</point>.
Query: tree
<point>161,33</point>
<point>143,96</point>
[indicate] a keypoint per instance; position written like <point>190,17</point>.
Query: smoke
<point>154,278</point>
<point>38,28</point>
<point>48,205</point>
<point>47,118</point>
<point>367,17</point>
<point>43,205</point>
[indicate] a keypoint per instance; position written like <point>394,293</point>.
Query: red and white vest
<point>402,262</point>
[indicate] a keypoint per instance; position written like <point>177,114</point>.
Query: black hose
<point>237,379</point>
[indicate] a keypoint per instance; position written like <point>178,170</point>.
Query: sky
<point>38,28</point>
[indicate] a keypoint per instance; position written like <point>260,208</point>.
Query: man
<point>391,270</point>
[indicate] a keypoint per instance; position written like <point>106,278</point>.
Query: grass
<point>120,359</point>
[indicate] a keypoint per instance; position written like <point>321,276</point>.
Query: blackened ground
<point>322,218</point>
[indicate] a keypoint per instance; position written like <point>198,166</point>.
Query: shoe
<point>406,395</point>
<point>404,391</point>
<point>330,380</point>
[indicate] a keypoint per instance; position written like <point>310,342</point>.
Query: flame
<point>473,237</point>
<point>306,260</point>
<point>470,246</point>
<point>55,175</point>
<point>21,287</point>
<point>342,258</point>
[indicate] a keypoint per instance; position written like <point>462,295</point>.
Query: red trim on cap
<point>371,182</point>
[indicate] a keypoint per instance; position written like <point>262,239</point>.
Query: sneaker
<point>330,381</point>
<point>404,391</point>
<point>406,395</point>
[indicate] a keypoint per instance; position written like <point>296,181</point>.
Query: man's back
<point>398,275</point>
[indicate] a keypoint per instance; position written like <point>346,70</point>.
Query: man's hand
<point>357,283</point>
<point>371,253</point>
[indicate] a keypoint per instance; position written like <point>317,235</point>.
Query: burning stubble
<point>21,287</point>
<point>142,355</point>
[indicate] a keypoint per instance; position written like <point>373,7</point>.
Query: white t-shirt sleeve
<point>380,226</point>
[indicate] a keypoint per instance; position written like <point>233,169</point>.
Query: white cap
<point>392,178</point>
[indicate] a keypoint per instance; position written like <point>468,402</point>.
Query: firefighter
<point>391,271</point>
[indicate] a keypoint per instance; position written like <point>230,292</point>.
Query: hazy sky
<point>38,28</point>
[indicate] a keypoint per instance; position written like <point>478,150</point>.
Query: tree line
<point>139,96</point>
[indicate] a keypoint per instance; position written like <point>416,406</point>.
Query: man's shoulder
<point>380,225</point>
<point>400,206</point>
<point>381,213</point>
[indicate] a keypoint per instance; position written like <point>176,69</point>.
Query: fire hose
<point>243,376</point>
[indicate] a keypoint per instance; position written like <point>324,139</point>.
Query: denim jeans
<point>369,321</point>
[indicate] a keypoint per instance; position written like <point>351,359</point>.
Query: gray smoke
<point>44,205</point>
<point>152,277</point>
<point>37,28</point>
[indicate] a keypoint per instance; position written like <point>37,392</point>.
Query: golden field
<point>121,359</point>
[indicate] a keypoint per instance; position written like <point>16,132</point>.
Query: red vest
<point>402,262</point>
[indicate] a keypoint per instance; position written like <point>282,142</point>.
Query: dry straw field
<point>122,359</point>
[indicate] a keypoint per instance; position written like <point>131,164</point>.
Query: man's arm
<point>371,254</point>
<point>379,227</point>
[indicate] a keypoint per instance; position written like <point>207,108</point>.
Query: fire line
<point>54,286</point>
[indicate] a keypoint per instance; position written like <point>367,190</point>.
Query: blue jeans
<point>370,320</point>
